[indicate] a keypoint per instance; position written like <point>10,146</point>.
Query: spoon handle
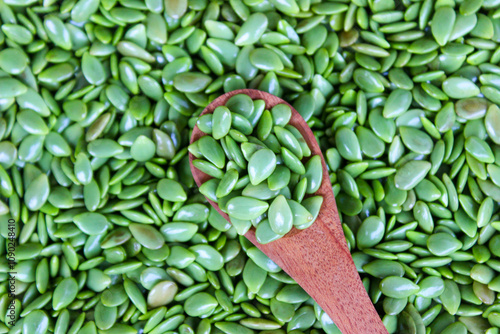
<point>317,257</point>
<point>319,261</point>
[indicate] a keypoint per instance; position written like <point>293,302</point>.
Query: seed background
<point>97,101</point>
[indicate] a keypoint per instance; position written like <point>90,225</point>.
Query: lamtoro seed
<point>265,180</point>
<point>103,230</point>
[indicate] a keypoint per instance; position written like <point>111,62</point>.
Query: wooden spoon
<point>317,258</point>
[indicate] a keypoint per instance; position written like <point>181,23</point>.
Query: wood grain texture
<point>317,257</point>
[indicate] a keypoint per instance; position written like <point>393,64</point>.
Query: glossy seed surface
<point>98,99</point>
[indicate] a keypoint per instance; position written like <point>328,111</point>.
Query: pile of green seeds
<point>264,155</point>
<point>97,102</point>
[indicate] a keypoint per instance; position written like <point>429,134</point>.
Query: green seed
<point>191,82</point>
<point>261,165</point>
<point>10,88</point>
<point>64,293</point>
<point>410,175</point>
<point>221,117</point>
<point>398,287</point>
<point>147,235</point>
<point>479,149</point>
<point>161,294</point>
<point>176,9</point>
<point>265,60</point>
<point>93,70</point>
<point>348,145</point>
<point>171,190</point>
<point>36,322</point>
<point>251,31</point>
<point>227,184</point>
<point>460,88</point>
<point>397,103</point>
<point>416,140</point>
<point>246,208</point>
<point>442,24</point>
<point>13,61</point>
<point>200,304</point>
<point>370,232</point>
<point>471,108</point>
<point>97,103</point>
<point>450,297</point>
<point>208,257</point>
<point>91,223</point>
<point>443,244</point>
<point>280,216</point>
<point>37,193</point>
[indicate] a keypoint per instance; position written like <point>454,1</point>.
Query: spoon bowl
<point>317,258</point>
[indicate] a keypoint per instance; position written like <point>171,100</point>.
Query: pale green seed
<point>261,165</point>
<point>251,31</point>
<point>460,88</point>
<point>246,208</point>
<point>280,215</point>
<point>91,223</point>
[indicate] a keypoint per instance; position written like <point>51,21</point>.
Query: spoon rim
<point>296,120</point>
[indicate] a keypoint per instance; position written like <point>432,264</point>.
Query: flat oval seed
<point>314,174</point>
<point>384,268</point>
<point>431,287</point>
<point>161,294</point>
<point>171,190</point>
<point>176,8</point>
<point>212,151</point>
<point>280,216</point>
<point>443,244</point>
<point>143,149</point>
<point>104,148</point>
<point>10,88</point>
<point>479,149</point>
<point>252,29</point>
<point>200,304</point>
<point>471,108</point>
<point>147,235</point>
<point>36,322</point>
<point>416,140</point>
<point>83,9</point>
<point>261,165</point>
<point>397,103</point>
<point>191,82</point>
<point>398,287</point>
<point>492,123</point>
<point>57,32</point>
<point>37,193</point>
<point>208,257</point>
<point>281,114</point>
<point>227,183</point>
<point>450,297</point>
<point>91,223</point>
<point>370,232</point>
<point>460,88</point>
<point>241,104</point>
<point>266,60</point>
<point>410,175</point>
<point>442,24</point>
<point>64,293</point>
<point>32,122</point>
<point>13,61</point>
<point>221,117</point>
<point>83,169</point>
<point>246,208</point>
<point>348,144</point>
<point>92,69</point>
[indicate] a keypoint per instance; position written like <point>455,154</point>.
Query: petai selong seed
<point>265,188</point>
<point>98,99</point>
